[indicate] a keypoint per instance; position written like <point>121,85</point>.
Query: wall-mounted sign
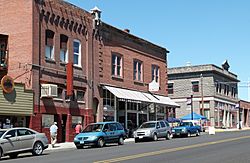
<point>7,84</point>
<point>153,86</point>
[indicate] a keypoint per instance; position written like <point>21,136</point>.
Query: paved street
<point>226,147</point>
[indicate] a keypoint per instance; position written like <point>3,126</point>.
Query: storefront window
<point>75,120</point>
<point>108,98</point>
<point>47,120</point>
<point>132,106</point>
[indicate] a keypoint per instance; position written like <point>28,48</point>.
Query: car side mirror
<point>7,136</point>
<point>105,130</point>
<point>157,127</point>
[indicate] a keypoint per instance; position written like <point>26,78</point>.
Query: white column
<point>224,117</point>
<point>147,113</point>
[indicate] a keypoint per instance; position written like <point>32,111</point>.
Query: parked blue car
<point>186,129</point>
<point>98,134</point>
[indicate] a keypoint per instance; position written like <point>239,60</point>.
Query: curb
<point>71,145</point>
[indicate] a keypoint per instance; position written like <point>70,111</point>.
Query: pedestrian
<point>53,134</point>
<point>78,128</point>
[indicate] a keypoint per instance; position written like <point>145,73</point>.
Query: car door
<point>163,129</point>
<point>107,133</point>
<point>26,138</point>
<point>158,129</point>
<point>115,133</point>
<point>192,128</point>
<point>10,144</point>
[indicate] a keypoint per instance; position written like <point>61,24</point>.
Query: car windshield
<point>184,124</point>
<point>148,125</point>
<point>93,128</point>
<point>1,133</point>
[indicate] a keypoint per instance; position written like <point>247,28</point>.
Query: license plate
<point>81,142</point>
<point>140,137</point>
<point>177,133</point>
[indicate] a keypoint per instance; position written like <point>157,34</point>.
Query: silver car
<point>153,130</point>
<point>19,140</point>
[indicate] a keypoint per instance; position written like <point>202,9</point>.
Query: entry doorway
<point>64,122</point>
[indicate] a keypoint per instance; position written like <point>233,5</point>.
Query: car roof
<point>14,128</point>
<point>153,121</point>
<point>104,122</point>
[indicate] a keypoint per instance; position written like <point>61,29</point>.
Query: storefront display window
<point>75,120</point>
<point>47,120</point>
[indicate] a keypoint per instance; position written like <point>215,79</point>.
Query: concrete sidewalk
<point>71,145</point>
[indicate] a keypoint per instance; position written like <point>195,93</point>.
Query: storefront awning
<point>141,96</point>
<point>128,94</point>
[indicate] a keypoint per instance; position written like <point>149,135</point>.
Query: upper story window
<point>77,53</point>
<point>80,95</point>
<point>170,88</point>
<point>63,48</point>
<point>49,45</point>
<point>138,70</point>
<point>116,65</point>
<point>3,53</point>
<point>195,86</point>
<point>155,73</point>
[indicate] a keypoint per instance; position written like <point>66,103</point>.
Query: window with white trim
<point>116,65</point>
<point>77,53</point>
<point>138,72</point>
<point>155,73</point>
<point>49,45</point>
<point>63,48</point>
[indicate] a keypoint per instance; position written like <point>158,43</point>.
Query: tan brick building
<point>79,68</point>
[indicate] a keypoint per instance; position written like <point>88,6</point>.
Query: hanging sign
<point>7,84</point>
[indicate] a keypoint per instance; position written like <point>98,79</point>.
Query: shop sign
<point>7,84</point>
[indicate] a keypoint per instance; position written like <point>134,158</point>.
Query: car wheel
<point>100,142</point>
<point>37,149</point>
<point>13,155</point>
<point>155,138</point>
<point>1,152</point>
<point>120,140</point>
<point>197,133</point>
<point>169,136</point>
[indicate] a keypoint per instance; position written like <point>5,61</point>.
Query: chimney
<point>126,30</point>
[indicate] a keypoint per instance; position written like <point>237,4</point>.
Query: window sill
<point>118,78</point>
<point>63,63</point>
<point>77,67</point>
<point>58,99</point>
<point>81,102</point>
<point>137,82</point>
<point>50,60</point>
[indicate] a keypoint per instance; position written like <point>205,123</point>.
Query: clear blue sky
<point>196,31</point>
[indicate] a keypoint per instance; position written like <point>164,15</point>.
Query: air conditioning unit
<point>48,90</point>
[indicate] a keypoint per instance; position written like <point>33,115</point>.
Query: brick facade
<point>28,64</point>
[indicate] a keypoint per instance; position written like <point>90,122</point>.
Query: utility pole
<point>192,115</point>
<point>202,97</point>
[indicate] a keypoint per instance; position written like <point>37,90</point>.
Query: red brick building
<point>79,68</point>
<point>244,109</point>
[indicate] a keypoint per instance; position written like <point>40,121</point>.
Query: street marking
<point>136,156</point>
